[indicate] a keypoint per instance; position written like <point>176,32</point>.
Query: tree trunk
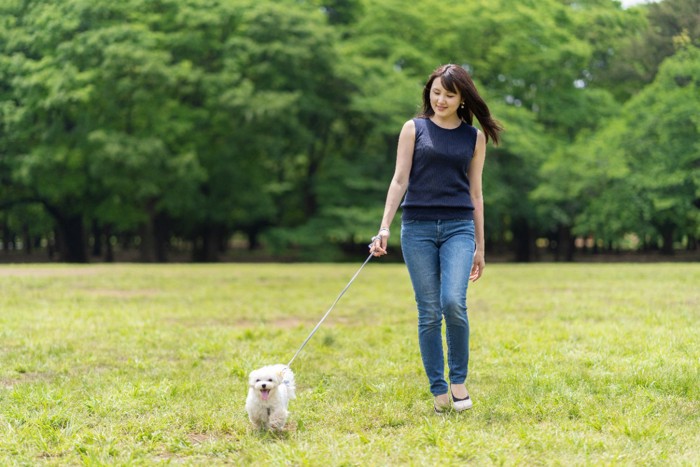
<point>523,241</point>
<point>154,237</point>
<point>72,247</point>
<point>28,243</point>
<point>53,243</point>
<point>565,243</point>
<point>96,239</point>
<point>667,231</point>
<point>6,234</point>
<point>161,229</point>
<point>253,234</point>
<point>206,245</point>
<point>109,252</point>
<point>147,246</point>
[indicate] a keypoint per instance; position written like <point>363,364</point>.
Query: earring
<point>462,106</point>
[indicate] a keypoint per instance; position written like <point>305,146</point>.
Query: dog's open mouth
<point>265,394</point>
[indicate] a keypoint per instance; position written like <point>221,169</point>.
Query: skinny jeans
<point>439,256</point>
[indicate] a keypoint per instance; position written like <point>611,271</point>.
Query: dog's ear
<point>252,377</point>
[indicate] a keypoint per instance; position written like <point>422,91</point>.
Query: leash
<point>329,310</point>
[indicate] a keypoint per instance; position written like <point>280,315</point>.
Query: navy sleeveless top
<point>438,187</point>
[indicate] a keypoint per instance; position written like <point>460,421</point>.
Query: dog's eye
<point>257,380</point>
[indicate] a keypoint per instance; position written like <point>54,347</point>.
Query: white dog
<point>270,389</point>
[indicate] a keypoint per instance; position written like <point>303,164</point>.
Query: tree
<point>287,57</point>
<point>197,119</point>
<point>636,60</point>
<point>533,58</point>
<point>655,192</point>
<point>90,87</point>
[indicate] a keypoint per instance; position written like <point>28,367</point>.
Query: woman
<point>439,163</point>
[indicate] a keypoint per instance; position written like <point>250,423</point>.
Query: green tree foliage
<point>575,177</point>
<point>532,57</point>
<point>635,60</point>
<point>139,113</point>
<point>95,118</point>
<point>654,191</point>
<point>198,119</point>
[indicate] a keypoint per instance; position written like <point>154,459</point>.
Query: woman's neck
<point>449,123</point>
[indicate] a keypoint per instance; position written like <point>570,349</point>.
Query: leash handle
<point>329,310</point>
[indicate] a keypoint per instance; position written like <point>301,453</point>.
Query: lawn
<point>571,364</point>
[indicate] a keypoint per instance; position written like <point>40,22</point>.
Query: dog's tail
<point>288,380</point>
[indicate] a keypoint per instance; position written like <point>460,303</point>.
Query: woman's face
<point>444,103</point>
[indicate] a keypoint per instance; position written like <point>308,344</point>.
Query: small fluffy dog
<point>270,389</point>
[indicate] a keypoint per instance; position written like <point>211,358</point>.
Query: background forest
<point>269,127</point>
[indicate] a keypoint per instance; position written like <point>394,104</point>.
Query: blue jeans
<point>439,256</point>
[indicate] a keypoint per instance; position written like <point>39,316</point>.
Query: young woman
<point>439,163</point>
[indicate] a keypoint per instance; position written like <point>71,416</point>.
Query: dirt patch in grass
<point>117,293</point>
<point>199,438</point>
<point>288,323</point>
<point>24,378</point>
<point>42,271</point>
<point>283,323</point>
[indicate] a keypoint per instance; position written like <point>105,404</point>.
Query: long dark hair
<point>454,78</point>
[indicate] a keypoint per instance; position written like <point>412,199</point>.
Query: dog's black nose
<point>264,386</point>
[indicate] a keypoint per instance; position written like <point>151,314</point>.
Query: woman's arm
<point>476,168</point>
<point>397,187</point>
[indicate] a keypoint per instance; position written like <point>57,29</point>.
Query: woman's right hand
<point>379,243</point>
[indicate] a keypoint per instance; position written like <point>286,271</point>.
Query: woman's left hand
<point>477,266</point>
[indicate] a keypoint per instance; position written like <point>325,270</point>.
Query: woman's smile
<point>444,102</point>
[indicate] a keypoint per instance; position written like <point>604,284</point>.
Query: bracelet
<point>379,235</point>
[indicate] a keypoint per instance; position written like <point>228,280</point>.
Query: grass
<point>137,365</point>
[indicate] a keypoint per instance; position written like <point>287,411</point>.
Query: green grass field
<point>571,364</point>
